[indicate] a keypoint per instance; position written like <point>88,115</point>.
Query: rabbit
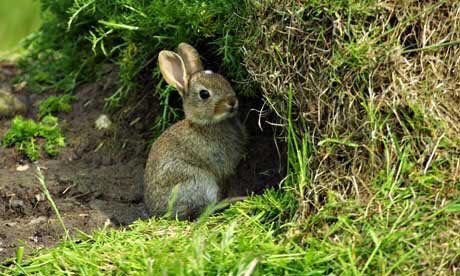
<point>189,163</point>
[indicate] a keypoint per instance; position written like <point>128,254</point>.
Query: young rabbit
<point>189,163</point>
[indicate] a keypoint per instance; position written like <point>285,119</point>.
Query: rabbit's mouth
<point>226,108</point>
<point>229,113</point>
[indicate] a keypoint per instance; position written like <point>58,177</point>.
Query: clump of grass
<point>368,94</point>
<point>55,104</point>
<point>229,243</point>
<point>25,134</point>
<point>168,113</point>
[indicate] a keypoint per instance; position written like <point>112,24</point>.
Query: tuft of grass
<point>399,230</point>
<point>55,104</point>
<point>168,113</point>
<point>235,242</point>
<point>25,134</point>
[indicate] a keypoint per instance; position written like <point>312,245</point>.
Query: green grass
<point>24,134</point>
<point>17,20</point>
<point>400,230</point>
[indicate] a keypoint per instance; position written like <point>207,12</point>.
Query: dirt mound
<point>96,181</point>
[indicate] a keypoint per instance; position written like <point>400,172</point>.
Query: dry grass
<point>368,77</point>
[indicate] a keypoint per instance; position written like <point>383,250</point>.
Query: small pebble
<point>22,168</point>
<point>17,203</point>
<point>40,219</point>
<point>34,239</point>
<point>20,86</point>
<point>103,122</point>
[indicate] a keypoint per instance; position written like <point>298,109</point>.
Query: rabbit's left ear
<point>190,57</point>
<point>173,70</point>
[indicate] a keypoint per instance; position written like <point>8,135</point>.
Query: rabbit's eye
<point>204,94</point>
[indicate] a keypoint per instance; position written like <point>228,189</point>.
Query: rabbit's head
<point>207,97</point>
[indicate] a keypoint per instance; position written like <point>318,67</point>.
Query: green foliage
<point>25,133</point>
<point>229,243</point>
<point>78,36</point>
<point>55,104</point>
<point>168,113</point>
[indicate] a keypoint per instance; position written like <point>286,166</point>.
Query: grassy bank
<point>366,96</point>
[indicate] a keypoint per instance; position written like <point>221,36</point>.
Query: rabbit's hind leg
<point>190,198</point>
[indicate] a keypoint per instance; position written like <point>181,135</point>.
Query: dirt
<point>96,180</point>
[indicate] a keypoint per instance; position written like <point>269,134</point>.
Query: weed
<point>55,104</point>
<point>24,134</point>
<point>168,113</point>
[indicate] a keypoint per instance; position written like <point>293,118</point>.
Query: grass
<point>400,230</point>
<point>44,188</point>
<point>365,96</point>
<point>17,20</point>
<point>77,37</point>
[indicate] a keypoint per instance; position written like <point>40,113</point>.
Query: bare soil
<point>96,181</point>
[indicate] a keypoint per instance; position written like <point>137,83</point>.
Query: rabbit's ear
<point>172,68</point>
<point>191,58</point>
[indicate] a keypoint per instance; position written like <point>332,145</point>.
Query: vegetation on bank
<point>365,92</point>
<point>25,135</point>
<point>56,104</point>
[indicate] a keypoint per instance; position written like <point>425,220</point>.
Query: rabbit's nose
<point>232,103</point>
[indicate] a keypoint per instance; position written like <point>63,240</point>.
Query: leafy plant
<point>56,104</point>
<point>24,134</point>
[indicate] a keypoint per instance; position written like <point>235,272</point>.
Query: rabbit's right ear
<point>172,68</point>
<point>191,58</point>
